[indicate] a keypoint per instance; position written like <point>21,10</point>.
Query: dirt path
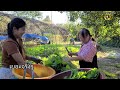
<point>110,63</point>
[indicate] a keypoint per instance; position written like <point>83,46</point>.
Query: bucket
<point>42,71</point>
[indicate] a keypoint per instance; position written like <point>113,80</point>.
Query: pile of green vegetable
<point>90,74</point>
<point>56,62</point>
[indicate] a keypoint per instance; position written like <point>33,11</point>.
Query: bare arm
<point>71,54</point>
<point>76,58</point>
<point>36,60</point>
<point>19,59</point>
<point>28,58</point>
<point>75,54</point>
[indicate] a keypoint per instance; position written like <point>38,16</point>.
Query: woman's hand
<point>70,54</point>
<point>36,60</point>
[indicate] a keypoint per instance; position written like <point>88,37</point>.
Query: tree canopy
<point>104,25</point>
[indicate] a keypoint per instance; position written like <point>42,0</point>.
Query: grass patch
<point>109,75</point>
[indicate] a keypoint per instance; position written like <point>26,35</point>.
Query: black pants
<point>92,64</point>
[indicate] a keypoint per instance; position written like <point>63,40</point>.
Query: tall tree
<point>29,14</point>
<point>96,19</point>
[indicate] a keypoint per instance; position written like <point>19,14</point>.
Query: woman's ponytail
<point>92,38</point>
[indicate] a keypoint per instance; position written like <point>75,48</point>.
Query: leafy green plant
<point>56,62</point>
<point>90,74</point>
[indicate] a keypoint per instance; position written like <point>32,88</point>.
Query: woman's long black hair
<point>17,23</point>
<point>85,32</point>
